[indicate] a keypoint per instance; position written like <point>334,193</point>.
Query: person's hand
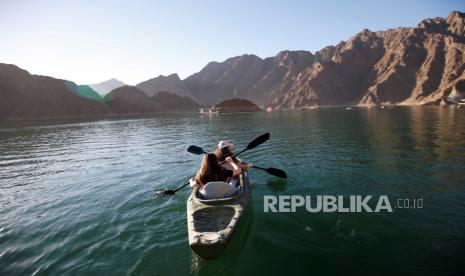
<point>251,166</point>
<point>229,159</point>
<point>192,182</point>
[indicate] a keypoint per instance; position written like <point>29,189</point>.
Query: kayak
<point>212,222</point>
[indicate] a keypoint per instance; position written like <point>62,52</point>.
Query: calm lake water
<point>78,197</point>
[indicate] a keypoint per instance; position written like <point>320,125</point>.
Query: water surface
<point>78,197</point>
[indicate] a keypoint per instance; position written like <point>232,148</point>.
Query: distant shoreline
<point>70,119</point>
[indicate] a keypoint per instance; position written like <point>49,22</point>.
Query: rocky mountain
<point>26,96</point>
<point>173,102</point>
<point>405,66</point>
<point>106,87</point>
<point>129,100</point>
<point>30,96</point>
<point>247,76</point>
<point>171,83</point>
<point>424,64</point>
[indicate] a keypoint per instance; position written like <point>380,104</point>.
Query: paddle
<point>198,150</point>
<point>276,172</point>
<point>257,141</point>
<point>273,171</point>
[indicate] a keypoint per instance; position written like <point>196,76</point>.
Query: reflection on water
<point>77,196</point>
<point>277,184</point>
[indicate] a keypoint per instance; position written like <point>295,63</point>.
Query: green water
<point>78,197</point>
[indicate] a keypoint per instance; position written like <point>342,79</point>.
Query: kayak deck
<point>212,222</point>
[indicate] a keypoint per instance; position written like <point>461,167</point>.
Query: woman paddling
<point>211,172</point>
<point>224,151</point>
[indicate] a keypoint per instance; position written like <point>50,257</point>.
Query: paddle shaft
<point>235,155</point>
<point>180,187</point>
<point>257,141</point>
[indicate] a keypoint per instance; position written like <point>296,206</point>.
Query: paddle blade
<point>259,140</point>
<point>276,172</point>
<point>195,150</point>
<point>165,193</point>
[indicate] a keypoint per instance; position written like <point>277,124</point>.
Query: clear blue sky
<point>92,41</point>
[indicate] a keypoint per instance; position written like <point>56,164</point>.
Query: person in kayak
<point>211,171</point>
<point>223,152</point>
<point>211,181</point>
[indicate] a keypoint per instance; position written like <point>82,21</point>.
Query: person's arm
<point>245,166</point>
<point>237,170</point>
<point>242,165</point>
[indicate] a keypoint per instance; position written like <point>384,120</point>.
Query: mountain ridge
<point>107,86</point>
<point>27,96</point>
<point>399,66</point>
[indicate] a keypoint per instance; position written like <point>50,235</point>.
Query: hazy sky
<point>92,41</point>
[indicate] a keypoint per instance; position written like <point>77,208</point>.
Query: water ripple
<point>78,197</point>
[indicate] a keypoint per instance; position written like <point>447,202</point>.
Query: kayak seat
<point>215,189</point>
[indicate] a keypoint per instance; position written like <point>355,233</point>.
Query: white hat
<point>223,144</point>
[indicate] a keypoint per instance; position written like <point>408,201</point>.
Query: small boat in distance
<point>269,109</point>
<point>349,107</point>
<point>208,111</point>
